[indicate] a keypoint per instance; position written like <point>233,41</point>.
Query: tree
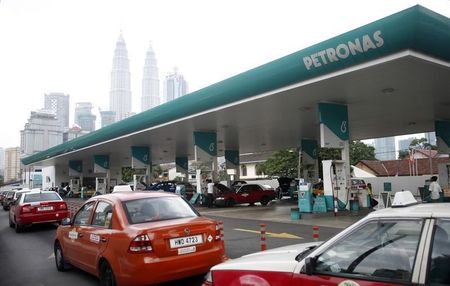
<point>422,144</point>
<point>360,151</point>
<point>156,171</point>
<point>417,143</point>
<point>283,163</point>
<point>403,154</point>
<point>127,174</point>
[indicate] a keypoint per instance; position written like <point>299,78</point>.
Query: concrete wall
<point>398,183</point>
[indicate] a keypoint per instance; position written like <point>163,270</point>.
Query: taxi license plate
<point>186,241</point>
<point>48,208</point>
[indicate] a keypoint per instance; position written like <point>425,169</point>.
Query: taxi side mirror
<point>66,221</point>
<point>310,265</point>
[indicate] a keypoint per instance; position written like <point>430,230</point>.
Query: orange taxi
<point>138,238</point>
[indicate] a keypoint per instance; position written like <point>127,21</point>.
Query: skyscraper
<point>84,117</point>
<point>120,95</point>
<point>58,104</point>
<point>150,81</point>
<point>107,117</point>
<point>12,164</point>
<point>41,132</point>
<point>2,161</point>
<point>174,86</point>
<point>385,148</point>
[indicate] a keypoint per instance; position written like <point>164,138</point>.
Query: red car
<point>139,238</point>
<point>246,194</point>
<point>35,207</point>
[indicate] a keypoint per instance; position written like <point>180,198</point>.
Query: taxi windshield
<point>157,209</point>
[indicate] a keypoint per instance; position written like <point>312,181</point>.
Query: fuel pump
<point>101,185</point>
<point>138,182</point>
<point>74,185</point>
<point>335,185</point>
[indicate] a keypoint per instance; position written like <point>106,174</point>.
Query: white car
<point>407,244</point>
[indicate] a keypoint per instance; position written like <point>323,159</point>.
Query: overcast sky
<point>67,45</point>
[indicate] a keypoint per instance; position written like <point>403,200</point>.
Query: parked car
<point>287,187</point>
<point>189,189</point>
<point>138,238</point>
<point>358,184</point>
<point>166,186</point>
<point>237,184</point>
<point>246,194</point>
<point>36,207</point>
<point>7,200</point>
<point>407,244</point>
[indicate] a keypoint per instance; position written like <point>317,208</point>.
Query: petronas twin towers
<point>120,94</point>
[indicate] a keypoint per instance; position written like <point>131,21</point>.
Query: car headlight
<point>219,199</point>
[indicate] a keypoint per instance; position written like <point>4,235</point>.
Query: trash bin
<point>295,213</point>
<point>354,205</point>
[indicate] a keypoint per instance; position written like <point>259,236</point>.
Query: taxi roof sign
<point>403,199</point>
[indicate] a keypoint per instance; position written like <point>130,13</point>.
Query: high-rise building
<point>174,86</point>
<point>150,81</point>
<point>431,138</point>
<point>403,144</point>
<point>12,164</point>
<point>58,103</point>
<point>107,117</point>
<point>2,161</point>
<point>84,117</point>
<point>385,148</point>
<point>41,132</point>
<point>120,94</point>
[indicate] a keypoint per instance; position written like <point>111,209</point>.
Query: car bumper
<point>26,219</point>
<point>148,270</point>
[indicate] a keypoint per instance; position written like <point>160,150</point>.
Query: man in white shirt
<point>435,190</point>
<point>210,192</point>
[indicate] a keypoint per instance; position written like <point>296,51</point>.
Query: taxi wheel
<point>230,203</point>
<point>61,264</point>
<point>17,227</point>
<point>106,275</point>
<point>265,201</point>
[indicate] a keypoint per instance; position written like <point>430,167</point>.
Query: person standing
<point>435,190</point>
<point>210,192</point>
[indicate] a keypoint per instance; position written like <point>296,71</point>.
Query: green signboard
<point>140,157</point>
<point>205,145</point>
<point>232,159</point>
<point>333,125</point>
<point>181,164</point>
<point>101,163</point>
<point>75,168</point>
<point>309,151</point>
<point>442,129</point>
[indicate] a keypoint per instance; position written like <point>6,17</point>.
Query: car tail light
<point>25,209</point>
<point>140,244</point>
<point>219,231</point>
<point>63,206</point>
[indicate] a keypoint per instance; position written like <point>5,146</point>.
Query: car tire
<point>18,227</point>
<point>106,274</point>
<point>230,202</point>
<point>265,201</point>
<point>60,262</point>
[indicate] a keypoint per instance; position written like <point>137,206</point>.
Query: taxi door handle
<point>103,239</point>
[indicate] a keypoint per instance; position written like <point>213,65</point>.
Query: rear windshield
<point>40,197</point>
<point>157,209</point>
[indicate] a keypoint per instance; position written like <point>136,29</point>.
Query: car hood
<point>280,259</point>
